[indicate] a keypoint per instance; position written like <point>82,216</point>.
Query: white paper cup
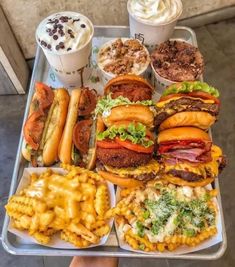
<point>159,83</point>
<point>149,33</point>
<point>106,76</point>
<point>69,65</point>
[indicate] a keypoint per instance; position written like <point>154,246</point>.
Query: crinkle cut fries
<point>143,219</point>
<point>73,204</point>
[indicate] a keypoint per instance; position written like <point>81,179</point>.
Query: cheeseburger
<point>187,104</point>
<point>128,98</point>
<point>125,152</point>
<point>188,156</point>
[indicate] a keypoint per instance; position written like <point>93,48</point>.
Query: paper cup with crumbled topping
<point>175,61</point>
<point>122,56</point>
<point>66,40</point>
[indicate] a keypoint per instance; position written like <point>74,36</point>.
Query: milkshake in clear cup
<point>66,40</point>
<point>153,21</point>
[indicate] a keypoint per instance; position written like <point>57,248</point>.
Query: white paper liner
<point>182,249</point>
<point>55,242</point>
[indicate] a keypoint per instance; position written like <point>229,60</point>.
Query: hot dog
<point>44,126</point>
<point>78,141</point>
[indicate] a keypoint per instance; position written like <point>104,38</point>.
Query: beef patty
<point>122,157</point>
<point>184,104</point>
<point>185,175</point>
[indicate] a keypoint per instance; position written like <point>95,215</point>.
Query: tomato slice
<point>198,94</point>
<point>44,95</point>
<point>33,129</point>
<point>81,135</point>
<point>87,102</point>
<point>108,144</point>
<point>134,147</point>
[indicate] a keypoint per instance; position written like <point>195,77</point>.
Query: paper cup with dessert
<point>122,56</point>
<point>175,61</point>
<point>153,22</point>
<point>66,40</point>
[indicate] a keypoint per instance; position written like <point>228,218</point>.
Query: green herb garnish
<point>142,246</point>
<point>146,214</point>
<point>189,232</point>
<point>140,229</point>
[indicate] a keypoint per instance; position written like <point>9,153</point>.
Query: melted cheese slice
<point>152,167</point>
<point>200,168</point>
<point>162,103</point>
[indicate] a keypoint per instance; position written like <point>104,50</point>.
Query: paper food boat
<point>55,242</point>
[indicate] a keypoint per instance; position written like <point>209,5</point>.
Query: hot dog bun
<point>47,152</point>
<point>56,121</point>
<point>68,150</point>
<point>65,147</point>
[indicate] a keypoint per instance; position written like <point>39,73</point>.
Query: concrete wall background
<point>24,15</point>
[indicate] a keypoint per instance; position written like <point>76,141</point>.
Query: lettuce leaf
<point>188,87</point>
<point>136,133</point>
<point>106,103</point>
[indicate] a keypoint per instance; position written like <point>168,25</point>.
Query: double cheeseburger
<point>44,126</point>
<point>125,154</point>
<point>127,97</point>
<point>187,104</point>
<point>77,144</point>
<point>188,156</point>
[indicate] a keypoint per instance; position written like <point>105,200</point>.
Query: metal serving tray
<point>17,246</point>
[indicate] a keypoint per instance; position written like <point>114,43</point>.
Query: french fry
<point>71,204</point>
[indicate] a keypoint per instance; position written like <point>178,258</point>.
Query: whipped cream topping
<point>64,32</point>
<point>155,11</point>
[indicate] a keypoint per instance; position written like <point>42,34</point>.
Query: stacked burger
<point>125,148</point>
<point>184,114</point>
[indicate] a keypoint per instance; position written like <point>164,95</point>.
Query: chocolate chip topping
<point>56,30</point>
<point>55,37</point>
<point>61,32</point>
<point>61,44</point>
<point>76,20</point>
<point>44,43</point>
<point>64,19</point>
<point>177,61</point>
